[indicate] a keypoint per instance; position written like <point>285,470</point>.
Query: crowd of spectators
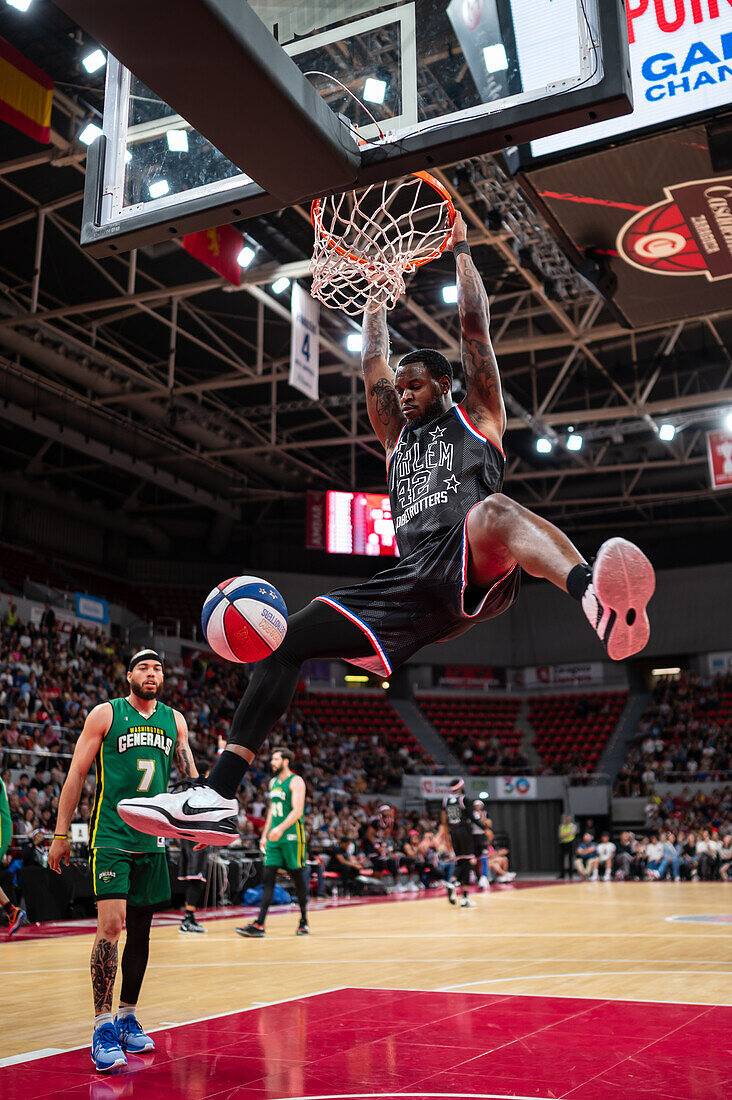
<point>684,734</point>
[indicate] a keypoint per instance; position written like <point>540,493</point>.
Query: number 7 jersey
<point>135,758</point>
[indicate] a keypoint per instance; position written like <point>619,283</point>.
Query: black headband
<point>144,655</point>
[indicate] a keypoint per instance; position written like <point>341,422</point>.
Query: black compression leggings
<point>299,878</point>
<point>318,631</point>
<point>135,954</point>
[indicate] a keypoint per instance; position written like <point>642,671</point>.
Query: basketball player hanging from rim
<point>462,545</point>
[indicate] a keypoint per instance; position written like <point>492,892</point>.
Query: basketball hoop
<point>366,241</point>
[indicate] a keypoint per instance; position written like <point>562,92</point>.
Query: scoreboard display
<point>359,523</point>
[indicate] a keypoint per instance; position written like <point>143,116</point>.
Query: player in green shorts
<point>133,742</point>
<point>283,841</point>
<point>15,915</point>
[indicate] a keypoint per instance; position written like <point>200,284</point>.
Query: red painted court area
<point>373,1043</point>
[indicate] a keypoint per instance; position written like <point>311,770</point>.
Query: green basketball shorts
<point>288,852</point>
<point>140,877</point>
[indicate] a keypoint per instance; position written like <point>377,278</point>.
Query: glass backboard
<point>415,84</point>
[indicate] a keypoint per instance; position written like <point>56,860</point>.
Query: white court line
<point>551,996</point>
<point>382,959</point>
<point>30,1056</point>
<point>579,974</point>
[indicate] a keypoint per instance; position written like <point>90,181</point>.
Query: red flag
<point>218,249</point>
<point>26,94</point>
<point>719,452</point>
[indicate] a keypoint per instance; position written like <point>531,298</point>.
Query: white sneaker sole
<point>156,822</point>
<point>624,581</point>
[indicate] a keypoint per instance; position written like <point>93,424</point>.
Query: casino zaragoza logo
<point>688,233</point>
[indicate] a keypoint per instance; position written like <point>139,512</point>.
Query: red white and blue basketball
<point>244,619</point>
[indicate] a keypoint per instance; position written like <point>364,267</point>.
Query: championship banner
<point>26,94</point>
<point>218,249</point>
<point>719,453</point>
<point>435,786</point>
<point>522,787</point>
<point>304,348</point>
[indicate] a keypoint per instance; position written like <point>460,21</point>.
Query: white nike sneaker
<point>466,903</point>
<point>196,813</point>
<point>508,877</point>
<point>483,882</point>
<point>623,582</point>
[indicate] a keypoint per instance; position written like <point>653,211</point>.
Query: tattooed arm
<point>182,755</point>
<point>484,400</point>
<point>383,404</point>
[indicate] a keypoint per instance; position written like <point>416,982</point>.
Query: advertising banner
<point>435,786</point>
<point>92,607</point>
<point>719,452</point>
<point>522,787</point>
<point>533,676</point>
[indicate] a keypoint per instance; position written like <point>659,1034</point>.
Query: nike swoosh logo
<point>190,811</point>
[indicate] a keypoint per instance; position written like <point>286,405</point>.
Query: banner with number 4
<point>304,349</point>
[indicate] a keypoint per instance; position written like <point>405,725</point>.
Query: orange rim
<point>316,218</point>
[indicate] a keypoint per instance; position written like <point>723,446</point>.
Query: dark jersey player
<point>462,542</point>
<point>456,832</point>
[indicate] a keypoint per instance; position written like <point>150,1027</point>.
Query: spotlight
<point>158,189</point>
<point>374,90</point>
<point>666,432</point>
<point>728,421</point>
<point>354,341</point>
<point>495,58</point>
<point>90,133</point>
<point>449,294</point>
<point>21,5</point>
<point>177,140</point>
<point>385,684</point>
<point>245,257</point>
<point>128,156</point>
<point>94,61</point>
<point>574,442</point>
<point>544,446</point>
<point>280,284</point>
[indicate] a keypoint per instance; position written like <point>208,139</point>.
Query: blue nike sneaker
<point>106,1052</point>
<point>130,1035</point>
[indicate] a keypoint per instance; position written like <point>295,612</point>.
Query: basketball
<point>244,619</point>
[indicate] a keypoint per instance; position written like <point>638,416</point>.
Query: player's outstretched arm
<point>385,412</point>
<point>96,726</point>
<point>182,755</point>
<point>484,400</point>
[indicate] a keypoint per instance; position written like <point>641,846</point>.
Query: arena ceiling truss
<point>144,385</point>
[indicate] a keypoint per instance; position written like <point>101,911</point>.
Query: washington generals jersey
<point>437,473</point>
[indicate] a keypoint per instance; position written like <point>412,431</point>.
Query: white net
<point>366,241</point>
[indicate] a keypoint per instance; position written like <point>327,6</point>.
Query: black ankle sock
<point>8,907</point>
<point>227,774</point>
<point>578,580</point>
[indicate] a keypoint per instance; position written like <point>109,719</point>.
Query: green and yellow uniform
<point>6,821</point>
<point>289,851</point>
<point>135,757</point>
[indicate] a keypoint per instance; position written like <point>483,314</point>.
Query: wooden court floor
<point>595,940</point>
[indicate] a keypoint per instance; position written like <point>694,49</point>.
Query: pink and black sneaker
<point>616,598</point>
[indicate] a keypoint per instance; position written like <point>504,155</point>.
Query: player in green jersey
<point>15,915</point>
<point>133,742</point>
<point>283,841</point>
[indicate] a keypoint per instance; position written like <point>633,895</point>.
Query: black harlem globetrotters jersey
<point>457,813</point>
<point>437,473</point>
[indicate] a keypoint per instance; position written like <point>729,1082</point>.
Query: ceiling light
<point>544,446</point>
<point>354,341</point>
<point>496,60</point>
<point>128,156</point>
<point>177,140</point>
<point>665,671</point>
<point>280,284</point>
<point>385,684</point>
<point>158,189</point>
<point>94,60</point>
<point>449,294</point>
<point>90,133</point>
<point>21,5</point>
<point>245,257</point>
<point>574,442</point>
<point>728,421</point>
<point>666,432</point>
<point>374,90</point>
<point>356,679</point>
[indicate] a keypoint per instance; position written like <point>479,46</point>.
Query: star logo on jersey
<point>452,483</point>
<point>437,433</point>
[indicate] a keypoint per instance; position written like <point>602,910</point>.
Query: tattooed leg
<point>104,952</point>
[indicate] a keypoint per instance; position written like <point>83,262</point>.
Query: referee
<point>283,841</point>
<point>456,828</point>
